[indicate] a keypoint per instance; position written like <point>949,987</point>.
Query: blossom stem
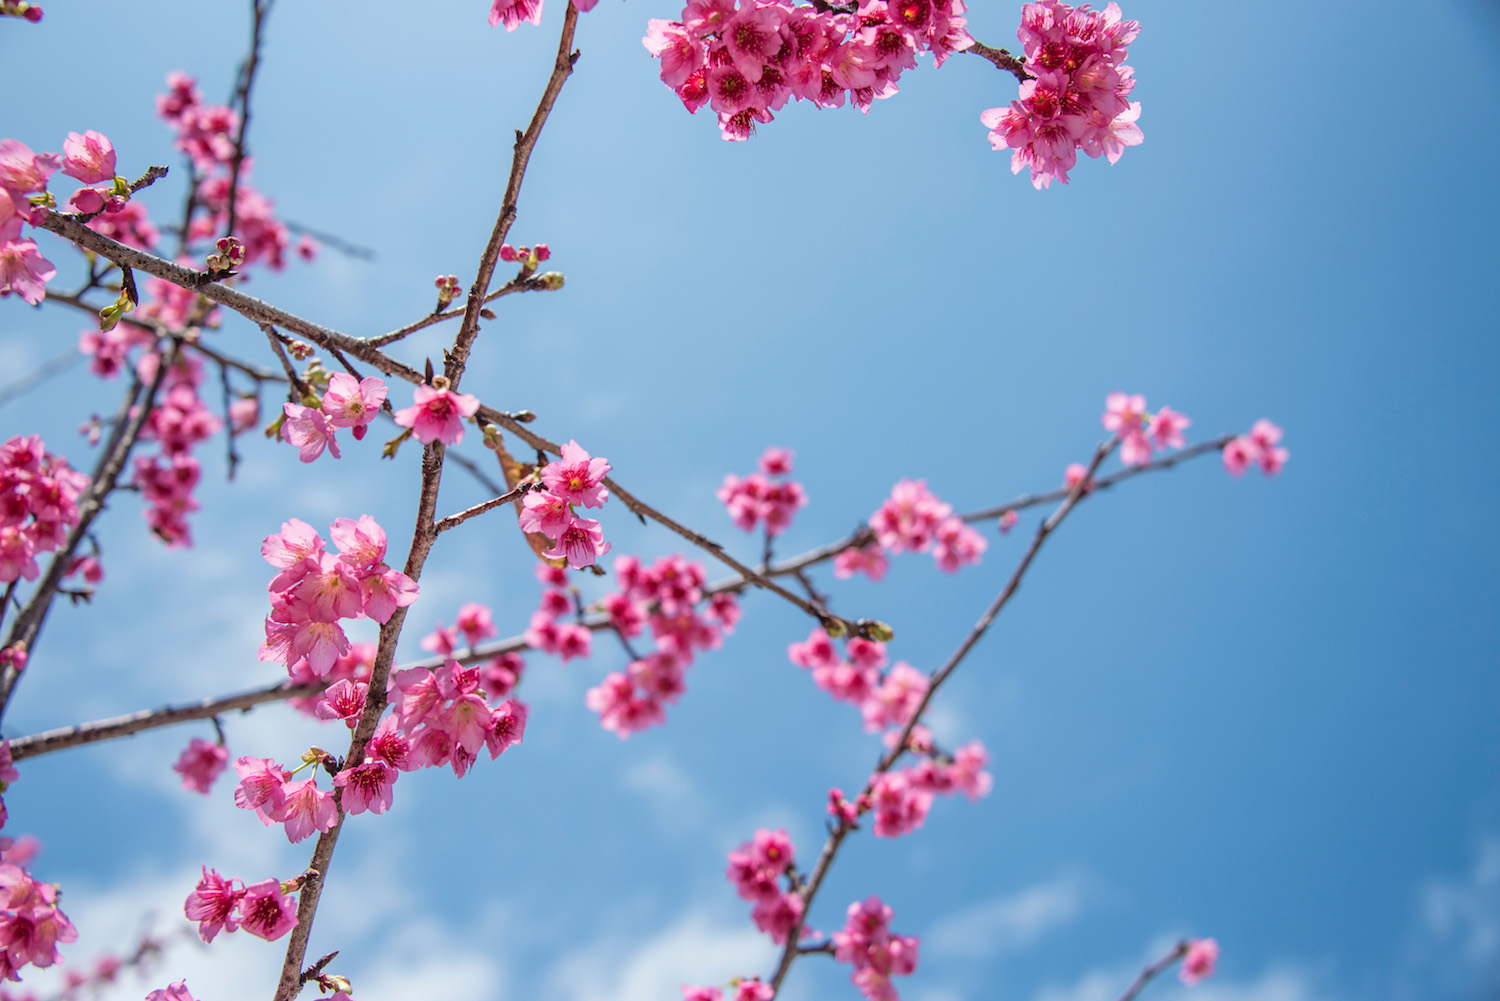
<point>259,9</point>
<point>1002,59</point>
<point>454,520</point>
<point>1155,970</point>
<point>935,681</point>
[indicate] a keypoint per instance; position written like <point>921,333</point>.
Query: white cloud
<point>1465,913</point>
<point>1008,924</point>
<point>1279,982</point>
<point>670,791</point>
<point>695,950</point>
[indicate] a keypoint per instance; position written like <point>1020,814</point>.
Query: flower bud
<point>551,281</point>
<point>877,630</point>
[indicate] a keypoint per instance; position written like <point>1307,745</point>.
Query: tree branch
<point>259,9</point>
<point>1155,970</point>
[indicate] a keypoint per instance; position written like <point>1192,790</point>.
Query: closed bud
<point>834,628</point>
<point>877,630</point>
<point>551,281</point>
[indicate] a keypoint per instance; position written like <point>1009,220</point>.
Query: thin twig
<point>286,363</point>
<point>514,285</point>
<point>1155,970</point>
<point>843,827</point>
<point>454,520</point>
<point>259,9</point>
<point>1002,59</point>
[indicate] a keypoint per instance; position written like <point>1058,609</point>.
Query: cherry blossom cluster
<point>901,799</point>
<point>499,675</point>
<point>1139,432</point>
<point>876,954</point>
<point>347,402</point>
<point>664,597</point>
<point>441,718</point>
<point>883,700</point>
<point>1261,447</point>
<point>267,909</point>
<point>747,60</point>
<point>177,423</point>
<point>751,989</point>
<point>547,631</point>
<point>206,134</point>
<point>31,923</point>
<point>549,507</point>
<point>1078,97</point>
<point>38,505</point>
<point>913,519</point>
<point>316,589</point>
<point>757,499</point>
<point>756,869</point>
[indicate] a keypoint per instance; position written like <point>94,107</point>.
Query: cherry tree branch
<point>514,285</point>
<point>259,9</point>
<point>126,725</point>
<point>843,827</point>
<point>1002,59</point>
<point>1155,970</point>
<point>129,422</point>
<point>454,520</point>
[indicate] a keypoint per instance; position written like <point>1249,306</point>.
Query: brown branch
<point>129,423</point>
<point>454,520</point>
<point>842,829</point>
<point>514,285</point>
<point>1002,59</point>
<point>1155,970</point>
<point>259,9</point>
<point>150,719</point>
<point>56,740</point>
<point>423,535</point>
<point>562,68</point>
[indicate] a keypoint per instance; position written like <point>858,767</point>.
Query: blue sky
<point>1258,710</point>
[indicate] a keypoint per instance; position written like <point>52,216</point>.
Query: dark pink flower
<point>212,904</point>
<point>24,271</point>
<point>1198,963</point>
<point>437,413</point>
<point>200,764</point>
<point>351,403</point>
<point>265,912</point>
<point>366,787</point>
<point>581,544</point>
<point>577,478</point>
<point>176,992</point>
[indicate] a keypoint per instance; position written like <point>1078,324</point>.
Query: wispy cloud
<point>1010,923</point>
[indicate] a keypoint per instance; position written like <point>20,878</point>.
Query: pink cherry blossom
<point>89,157</point>
<point>475,622</point>
<point>24,271</point>
<point>581,544</point>
<point>265,912</point>
<point>351,403</point>
<point>777,461</point>
<point>869,560</point>
<point>310,430</point>
<point>23,172</point>
<point>438,413</point>
<point>212,903</point>
<point>200,764</point>
<point>577,478</point>
<point>1198,962</point>
<point>1166,428</point>
<point>513,12</point>
<point>366,787</point>
<point>262,788</point>
<point>307,809</point>
<point>175,992</point>
<point>361,542</point>
<point>345,700</point>
<point>544,514</point>
<point>1124,413</point>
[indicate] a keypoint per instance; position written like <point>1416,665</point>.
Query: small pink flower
<point>243,414</point>
<point>577,478</point>
<point>176,992</point>
<point>366,787</point>
<point>310,431</point>
<point>475,622</point>
<point>1124,412</point>
<point>361,543</point>
<point>1198,963</point>
<point>307,809</point>
<point>212,903</point>
<point>23,172</point>
<point>544,514</point>
<point>200,764</point>
<point>777,461</point>
<point>437,413</point>
<point>89,157</point>
<point>343,700</point>
<point>266,912</point>
<point>261,788</point>
<point>24,271</point>
<point>353,404</point>
<point>1166,428</point>
<point>869,560</point>
<point>581,543</point>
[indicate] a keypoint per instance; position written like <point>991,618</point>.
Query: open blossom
<point>200,764</point>
<point>512,12</point>
<point>266,912</point>
<point>23,172</point>
<point>351,403</point>
<point>175,992</point>
<point>1166,428</point>
<point>212,904</point>
<point>310,430</point>
<point>24,271</point>
<point>437,413</point>
<point>577,478</point>
<point>1198,963</point>
<point>581,544</point>
<point>307,809</point>
<point>1261,446</point>
<point>89,157</point>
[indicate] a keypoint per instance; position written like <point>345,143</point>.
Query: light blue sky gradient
<point>1259,710</point>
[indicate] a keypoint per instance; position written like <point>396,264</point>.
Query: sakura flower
<point>475,622</point>
<point>264,911</point>
<point>869,560</point>
<point>310,430</point>
<point>437,413</point>
<point>353,404</point>
<point>89,157</point>
<point>176,992</point>
<point>307,809</point>
<point>212,903</point>
<point>577,478</point>
<point>343,700</point>
<point>1166,428</point>
<point>361,543</point>
<point>581,544</point>
<point>261,788</point>
<point>23,172</point>
<point>544,514</point>
<point>200,764</point>
<point>1199,960</point>
<point>777,461</point>
<point>513,12</point>
<point>366,787</point>
<point>1124,412</point>
<point>24,271</point>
